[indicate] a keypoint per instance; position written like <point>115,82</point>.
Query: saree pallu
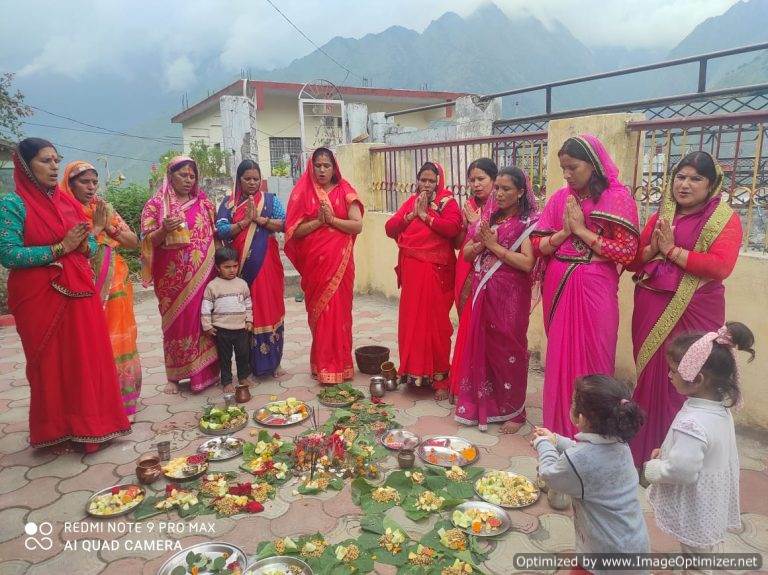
<point>462,293</point>
<point>493,375</point>
<point>328,289</point>
<point>261,267</point>
<point>581,319</point>
<point>325,261</point>
<point>179,275</point>
<point>654,392</point>
<point>71,373</point>
<point>116,290</point>
<point>424,324</point>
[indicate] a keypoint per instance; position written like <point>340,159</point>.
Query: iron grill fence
<point>394,167</point>
<point>736,140</point>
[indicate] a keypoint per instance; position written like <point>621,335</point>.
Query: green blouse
<point>13,252</point>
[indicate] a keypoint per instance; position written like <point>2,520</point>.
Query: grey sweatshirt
<point>598,473</point>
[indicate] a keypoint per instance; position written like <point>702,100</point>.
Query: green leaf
<point>460,491</point>
<point>179,570</point>
<point>401,482</point>
<point>360,489</point>
<point>218,563</point>
<point>146,508</point>
<point>336,484</point>
<point>435,482</point>
<point>266,549</point>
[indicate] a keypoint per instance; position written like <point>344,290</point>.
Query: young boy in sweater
<point>227,316</point>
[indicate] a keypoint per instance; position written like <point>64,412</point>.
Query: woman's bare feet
<point>441,394</point>
<point>62,448</point>
<point>171,388</point>
<point>511,427</point>
<point>229,388</point>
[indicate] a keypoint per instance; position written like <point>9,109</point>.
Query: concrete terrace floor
<point>39,487</point>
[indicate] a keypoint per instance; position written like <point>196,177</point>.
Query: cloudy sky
<point>78,37</point>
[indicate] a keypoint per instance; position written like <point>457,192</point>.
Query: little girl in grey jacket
<point>597,470</point>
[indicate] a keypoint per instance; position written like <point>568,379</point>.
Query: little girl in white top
<point>695,475</point>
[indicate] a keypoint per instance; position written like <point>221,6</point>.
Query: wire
<point>331,58</point>
<point>102,153</point>
<point>178,140</point>
<point>105,129</point>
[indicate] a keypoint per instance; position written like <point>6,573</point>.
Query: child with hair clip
<point>597,470</point>
<point>694,476</point>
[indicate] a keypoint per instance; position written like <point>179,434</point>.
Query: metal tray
<point>399,439</point>
<point>290,420</point>
<point>215,548</point>
<point>227,431</point>
<point>109,490</point>
<point>228,453</point>
<point>204,469</point>
<point>506,522</point>
<point>280,562</point>
<point>511,474</point>
<point>447,451</point>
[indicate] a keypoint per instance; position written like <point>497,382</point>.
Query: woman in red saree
<point>586,232</point>
<point>324,217</point>
<point>493,375</point>
<point>480,175</point>
<point>425,227</point>
<point>111,273</point>
<point>686,251</point>
<point>250,218</point>
<point>177,228</point>
<point>44,241</point>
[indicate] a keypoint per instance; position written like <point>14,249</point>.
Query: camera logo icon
<point>38,536</point>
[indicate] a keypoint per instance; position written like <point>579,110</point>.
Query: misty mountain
<point>486,52</point>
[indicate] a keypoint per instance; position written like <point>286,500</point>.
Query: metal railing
<point>738,142</point>
<point>394,167</point>
<point>702,60</point>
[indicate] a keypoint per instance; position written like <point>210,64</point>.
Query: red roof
<point>260,88</point>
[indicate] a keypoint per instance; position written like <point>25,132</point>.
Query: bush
<point>129,201</point>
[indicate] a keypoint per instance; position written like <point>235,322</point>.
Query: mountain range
<point>485,52</point>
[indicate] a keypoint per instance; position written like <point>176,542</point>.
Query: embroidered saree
<point>670,301</point>
<point>179,274</point>
<point>462,293</point>
<point>580,289</point>
<point>325,260</point>
<point>115,291</point>
<point>74,390</point>
<point>493,375</point>
<point>426,276</point>
<point>261,268</point>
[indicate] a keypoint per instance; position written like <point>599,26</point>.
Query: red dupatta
<point>421,242</point>
<point>49,216</point>
<point>322,257</point>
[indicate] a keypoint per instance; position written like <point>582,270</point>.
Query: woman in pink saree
<point>587,232</point>
<point>686,251</point>
<point>177,229</point>
<point>493,375</point>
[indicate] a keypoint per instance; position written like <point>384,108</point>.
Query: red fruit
<point>494,522</point>
<point>254,507</point>
<point>115,490</point>
<point>275,436</point>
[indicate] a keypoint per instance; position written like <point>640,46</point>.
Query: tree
<point>211,160</point>
<point>12,108</point>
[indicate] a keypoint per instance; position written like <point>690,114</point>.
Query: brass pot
<point>149,469</point>
<point>242,394</point>
<point>388,370</point>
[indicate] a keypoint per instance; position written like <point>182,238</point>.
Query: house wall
<point>278,116</point>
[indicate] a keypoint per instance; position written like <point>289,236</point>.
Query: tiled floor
<point>39,487</point>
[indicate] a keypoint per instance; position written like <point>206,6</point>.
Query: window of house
<point>282,153</point>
